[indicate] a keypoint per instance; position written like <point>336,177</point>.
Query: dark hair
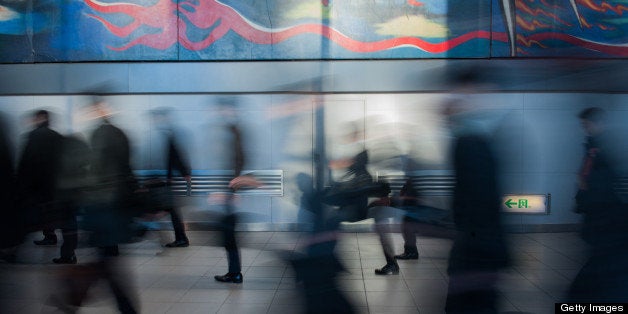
<point>41,113</point>
<point>227,102</point>
<point>593,114</point>
<point>161,112</point>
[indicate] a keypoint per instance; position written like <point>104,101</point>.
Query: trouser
<point>66,221</point>
<point>602,278</point>
<point>177,225</point>
<point>472,293</point>
<point>383,229</point>
<point>409,230</point>
<point>84,276</point>
<point>49,216</point>
<point>69,231</point>
<point>230,243</point>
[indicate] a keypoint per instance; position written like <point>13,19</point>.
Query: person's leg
<point>409,230</point>
<point>471,293</point>
<point>69,231</point>
<point>233,253</point>
<point>383,228</point>
<point>231,245</point>
<point>116,278</point>
<point>180,238</point>
<point>48,229</point>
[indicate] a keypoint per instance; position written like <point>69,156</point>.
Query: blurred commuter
<point>175,162</point>
<point>72,180</point>
<point>228,112</point>
<point>11,228</point>
<point>409,202</point>
<point>479,248</point>
<point>316,267</point>
<point>352,191</point>
<point>107,212</point>
<point>37,173</point>
<point>603,278</point>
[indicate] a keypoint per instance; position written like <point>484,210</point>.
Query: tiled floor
<point>181,280</point>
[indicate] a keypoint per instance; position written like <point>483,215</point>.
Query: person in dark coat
<point>228,111</point>
<point>603,277</point>
<point>72,180</point>
<point>108,213</point>
<point>11,229</point>
<point>37,176</point>
<point>175,162</point>
<point>408,199</point>
<point>352,191</point>
<point>479,249</point>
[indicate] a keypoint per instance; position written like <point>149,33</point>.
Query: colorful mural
<point>181,30</point>
<point>578,28</point>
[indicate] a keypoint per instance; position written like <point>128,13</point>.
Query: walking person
<point>73,178</point>
<point>37,173</point>
<point>408,200</point>
<point>479,248</point>
<point>229,113</point>
<point>108,213</point>
<point>175,162</point>
<point>605,219</point>
<point>11,227</point>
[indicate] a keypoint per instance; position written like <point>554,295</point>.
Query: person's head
<point>97,108</point>
<point>161,116</point>
<point>451,108</point>
<point>592,120</point>
<point>227,106</point>
<point>41,118</point>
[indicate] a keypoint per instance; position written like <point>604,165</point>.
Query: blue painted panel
<point>103,30</point>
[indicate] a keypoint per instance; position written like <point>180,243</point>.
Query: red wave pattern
<point>553,6</point>
<point>159,16</point>
<point>615,50</point>
<point>220,19</point>
<point>529,43</point>
<point>603,7</point>
<point>531,26</point>
<point>415,3</point>
<point>538,11</point>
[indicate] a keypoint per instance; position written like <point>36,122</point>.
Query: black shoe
<point>65,260</point>
<point>407,255</point>
<point>179,243</point>
<point>46,241</point>
<point>388,269</point>
<point>230,277</point>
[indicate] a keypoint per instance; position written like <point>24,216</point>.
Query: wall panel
<point>538,138</point>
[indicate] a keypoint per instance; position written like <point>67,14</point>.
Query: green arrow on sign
<point>509,202</point>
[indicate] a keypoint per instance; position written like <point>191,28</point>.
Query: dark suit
<point>11,229</point>
<point>479,248</point>
<point>176,162</point>
<point>37,176</point>
<point>110,211</point>
<point>108,215</point>
<point>603,277</point>
<point>230,219</point>
<point>72,180</point>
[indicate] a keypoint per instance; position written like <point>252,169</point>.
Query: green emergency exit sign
<point>526,203</point>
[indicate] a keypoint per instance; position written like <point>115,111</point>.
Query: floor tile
<point>181,280</point>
